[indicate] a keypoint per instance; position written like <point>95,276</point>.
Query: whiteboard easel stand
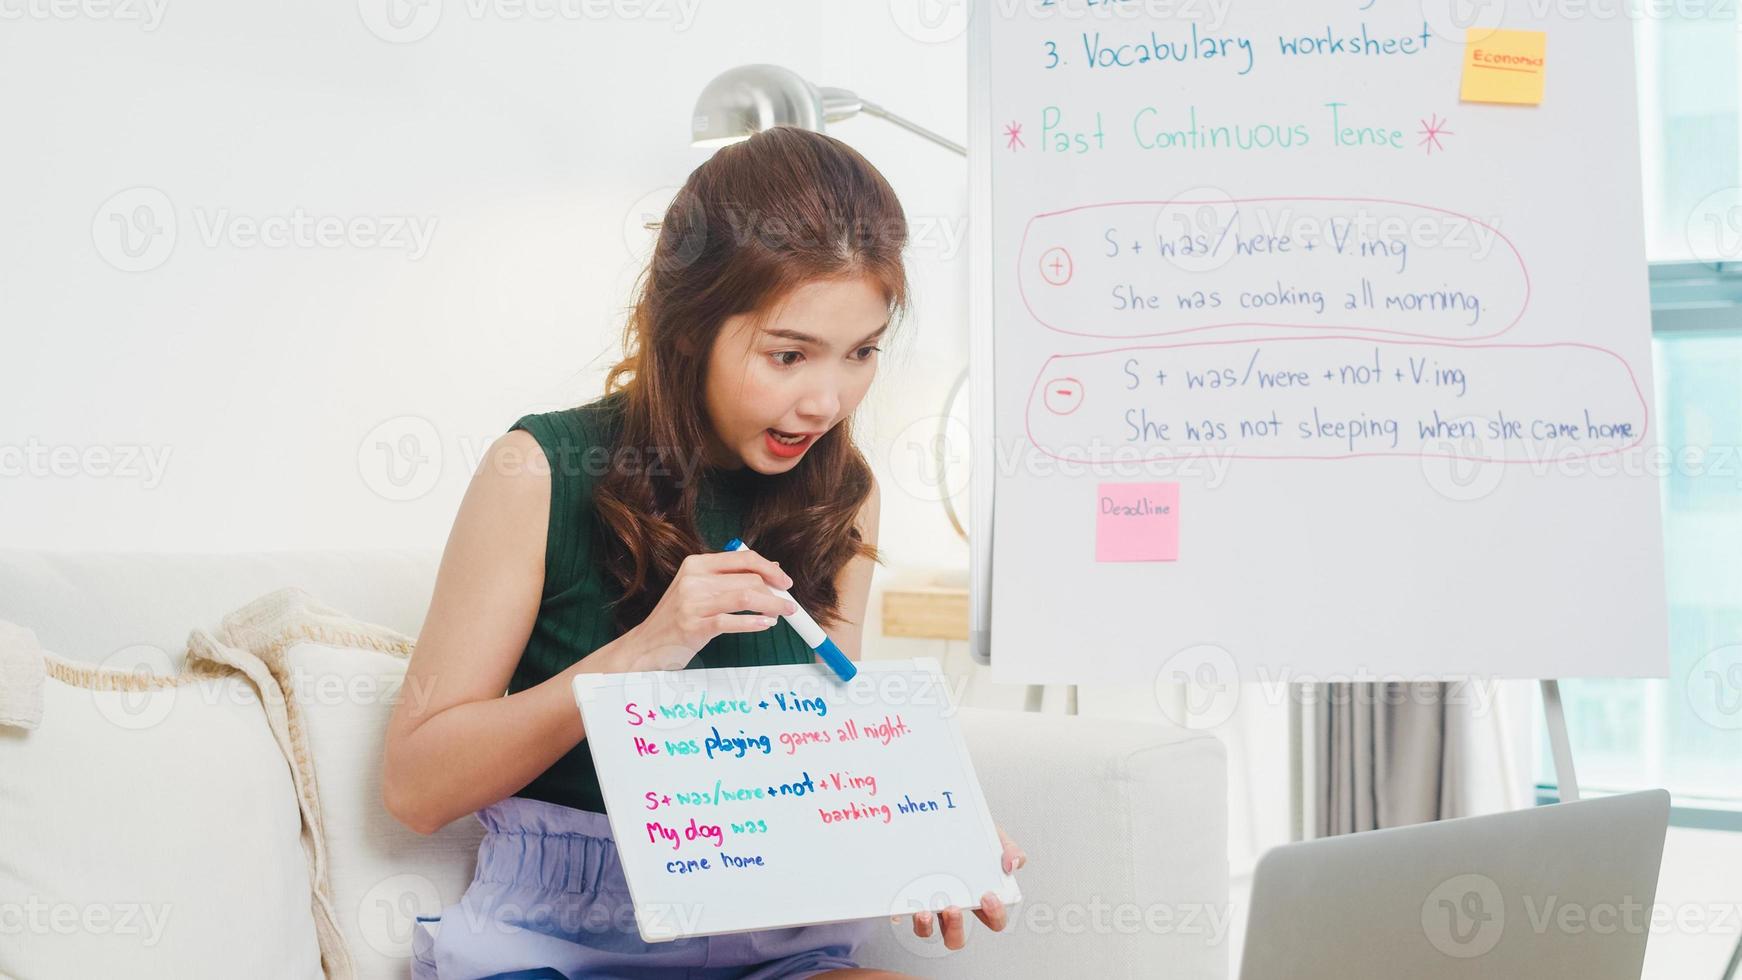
<point>1558,743</point>
<point>1301,737</point>
<point>1034,697</point>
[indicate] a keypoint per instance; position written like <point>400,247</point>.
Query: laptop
<point>1564,890</point>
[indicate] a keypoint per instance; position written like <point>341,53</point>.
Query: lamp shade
<point>748,99</point>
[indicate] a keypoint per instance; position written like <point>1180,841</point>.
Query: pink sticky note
<point>1137,522</point>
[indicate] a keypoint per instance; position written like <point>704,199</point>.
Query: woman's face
<point>773,391</point>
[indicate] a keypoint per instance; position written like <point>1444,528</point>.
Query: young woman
<point>589,541</point>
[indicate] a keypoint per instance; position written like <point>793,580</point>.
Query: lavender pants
<point>548,900</point>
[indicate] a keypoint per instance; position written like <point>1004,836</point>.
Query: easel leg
<point>1297,786</point>
<point>1035,697</point>
<point>1558,743</point>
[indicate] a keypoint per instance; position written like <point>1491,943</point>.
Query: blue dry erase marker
<point>809,631</point>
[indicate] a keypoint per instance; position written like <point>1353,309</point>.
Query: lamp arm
<point>873,109</point>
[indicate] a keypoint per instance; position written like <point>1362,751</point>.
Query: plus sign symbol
<point>1055,266</point>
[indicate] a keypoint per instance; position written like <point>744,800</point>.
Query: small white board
<point>756,798</point>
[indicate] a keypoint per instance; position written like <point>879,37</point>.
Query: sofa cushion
<point>84,605</point>
<point>342,677</point>
<point>150,829</point>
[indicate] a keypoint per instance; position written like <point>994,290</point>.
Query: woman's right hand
<point>702,602</point>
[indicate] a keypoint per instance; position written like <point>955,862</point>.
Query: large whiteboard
<point>1290,365</point>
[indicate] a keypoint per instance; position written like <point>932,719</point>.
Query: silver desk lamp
<point>751,98</point>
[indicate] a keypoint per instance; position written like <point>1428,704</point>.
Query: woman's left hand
<point>991,911</point>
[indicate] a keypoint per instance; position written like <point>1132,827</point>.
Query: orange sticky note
<point>1137,522</point>
<point>1504,66</point>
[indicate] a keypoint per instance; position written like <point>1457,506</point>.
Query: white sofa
<point>1124,823</point>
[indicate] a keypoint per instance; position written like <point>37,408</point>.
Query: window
<point>1690,143</point>
<point>1685,733</point>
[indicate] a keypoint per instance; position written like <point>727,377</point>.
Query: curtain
<point>1389,754</point>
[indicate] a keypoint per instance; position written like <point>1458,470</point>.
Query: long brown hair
<point>757,220</point>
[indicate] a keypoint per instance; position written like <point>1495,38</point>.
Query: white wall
<point>338,392</point>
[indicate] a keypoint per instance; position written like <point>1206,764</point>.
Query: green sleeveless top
<point>574,617</point>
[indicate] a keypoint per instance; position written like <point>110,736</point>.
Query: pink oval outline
<point>1028,407</point>
<point>1029,227</point>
